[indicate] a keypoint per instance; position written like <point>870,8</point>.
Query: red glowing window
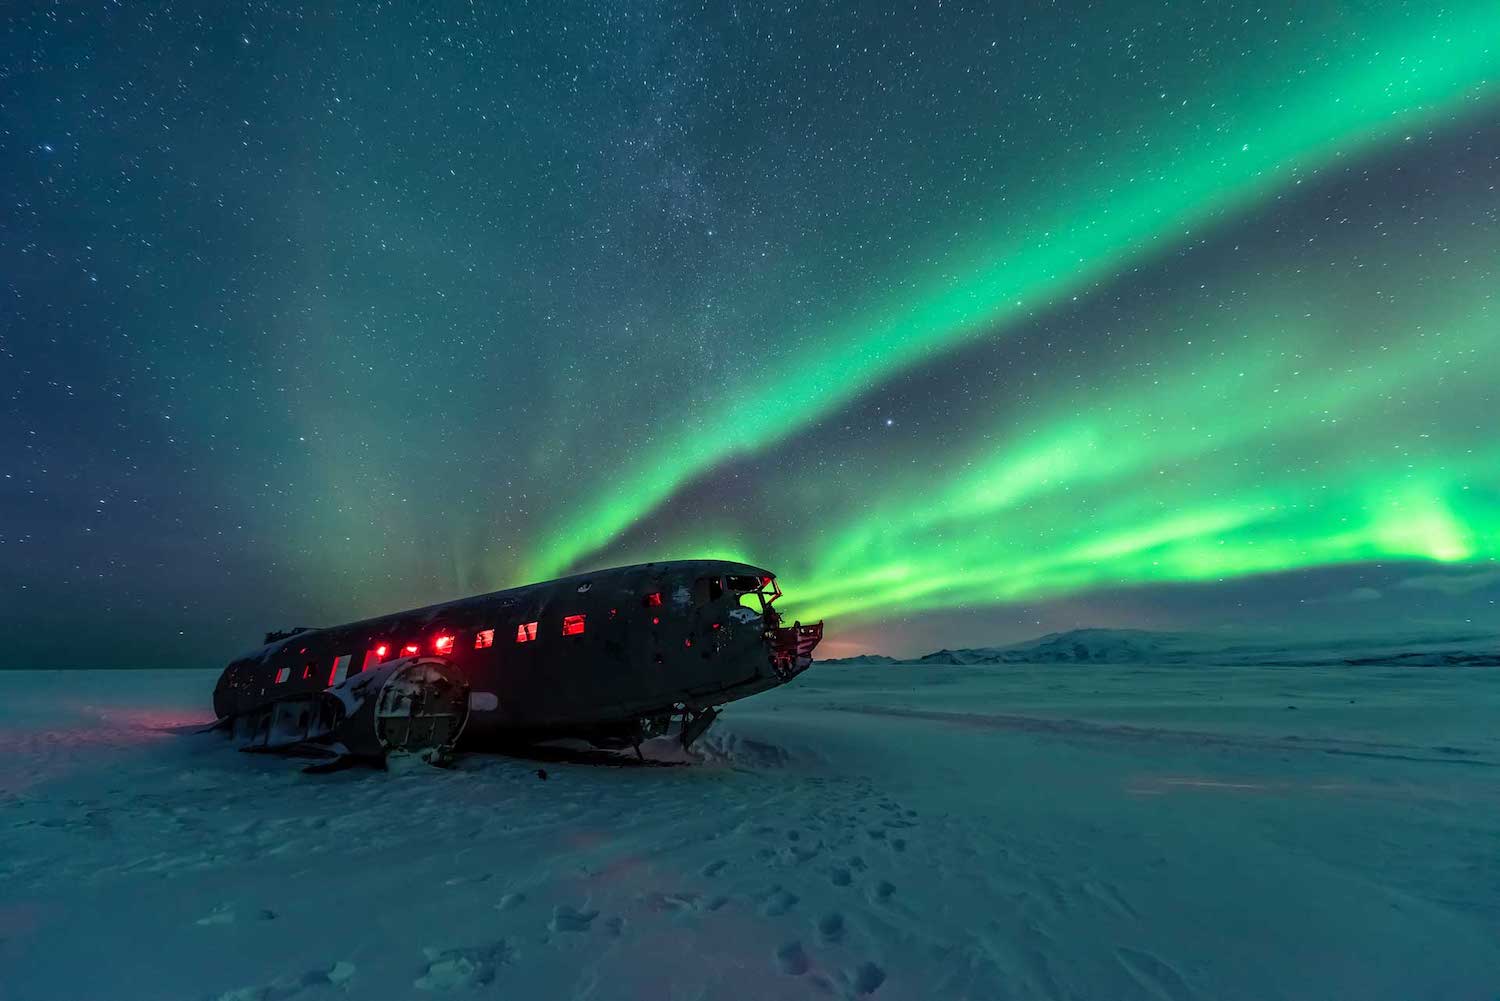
<point>483,639</point>
<point>572,625</point>
<point>306,671</point>
<point>653,600</point>
<point>372,657</point>
<point>411,650</point>
<point>340,669</point>
<point>526,632</point>
<point>442,644</point>
<point>283,674</point>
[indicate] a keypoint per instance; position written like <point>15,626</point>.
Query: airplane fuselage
<point>592,654</point>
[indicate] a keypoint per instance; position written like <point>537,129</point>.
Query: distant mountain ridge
<point>1144,646</point>
<point>1076,646</point>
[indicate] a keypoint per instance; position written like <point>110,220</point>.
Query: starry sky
<point>971,321</point>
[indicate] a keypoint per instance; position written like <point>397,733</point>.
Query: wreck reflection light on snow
<point>35,755</point>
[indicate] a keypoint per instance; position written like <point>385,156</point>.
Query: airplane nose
<point>792,647</point>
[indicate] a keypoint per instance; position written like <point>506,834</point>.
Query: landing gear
<point>685,723</point>
<point>695,724</point>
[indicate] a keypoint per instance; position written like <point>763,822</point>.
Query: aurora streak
<point>1371,94</point>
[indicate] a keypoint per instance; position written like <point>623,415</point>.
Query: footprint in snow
<point>678,902</point>
<point>713,868</point>
<point>865,978</point>
<point>510,901</point>
<point>798,854</point>
<point>791,959</point>
<point>840,877</point>
<point>882,892</point>
<point>779,903</point>
<point>449,969</point>
<point>565,918</point>
<point>831,927</point>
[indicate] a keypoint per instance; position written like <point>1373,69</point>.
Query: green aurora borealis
<point>1122,205</point>
<point>984,315</point>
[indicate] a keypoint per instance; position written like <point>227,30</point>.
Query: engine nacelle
<point>414,705</point>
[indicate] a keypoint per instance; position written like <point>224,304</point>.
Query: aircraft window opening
<point>411,649</point>
<point>484,639</point>
<point>652,600</point>
<point>306,671</point>
<point>572,625</point>
<point>373,656</point>
<point>442,644</point>
<point>756,593</point>
<point>340,669</point>
<point>283,674</point>
<point>526,632</point>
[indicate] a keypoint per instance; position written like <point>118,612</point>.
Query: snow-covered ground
<point>1097,831</point>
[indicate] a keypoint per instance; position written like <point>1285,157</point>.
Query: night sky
<point>970,321</point>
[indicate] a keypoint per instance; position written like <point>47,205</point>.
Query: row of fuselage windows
<point>442,645</point>
<point>444,642</point>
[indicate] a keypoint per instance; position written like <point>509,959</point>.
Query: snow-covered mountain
<point>1077,646</point>
<point>863,660</point>
<point>1142,646</point>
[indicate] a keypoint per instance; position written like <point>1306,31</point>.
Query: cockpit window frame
<point>765,590</point>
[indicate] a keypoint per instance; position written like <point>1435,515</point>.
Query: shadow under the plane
<point>575,755</point>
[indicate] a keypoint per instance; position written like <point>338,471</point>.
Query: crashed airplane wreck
<point>614,658</point>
